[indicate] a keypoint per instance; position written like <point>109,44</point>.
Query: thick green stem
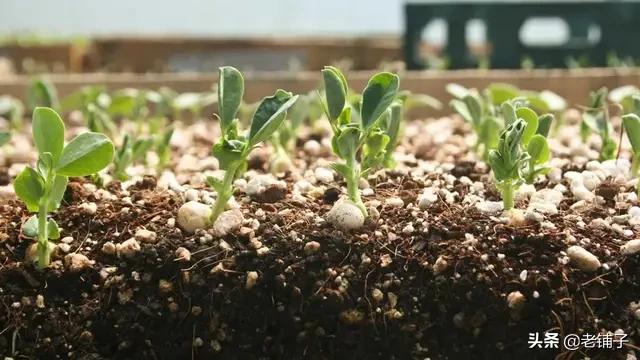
<point>530,176</point>
<point>224,194</point>
<point>507,195</point>
<point>353,192</point>
<point>43,236</point>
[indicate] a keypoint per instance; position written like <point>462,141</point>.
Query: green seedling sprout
<point>480,115</point>
<point>233,149</point>
<point>595,119</point>
<point>81,98</point>
<point>507,161</point>
<point>5,137</point>
<point>162,147</point>
<point>360,144</point>
<point>623,95</point>
<point>283,140</point>
<point>631,124</point>
<point>12,109</point>
<point>392,126</point>
<point>42,92</point>
<point>192,102</point>
<point>130,151</point>
<point>42,187</point>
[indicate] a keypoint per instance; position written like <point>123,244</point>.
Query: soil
<point>381,292</point>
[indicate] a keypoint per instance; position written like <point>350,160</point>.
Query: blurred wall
<point>221,18</point>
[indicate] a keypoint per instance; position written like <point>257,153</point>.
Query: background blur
<point>291,35</point>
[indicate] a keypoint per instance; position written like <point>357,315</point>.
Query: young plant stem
<point>353,192</point>
<point>225,194</point>
<point>507,194</point>
<point>530,176</point>
<point>43,229</point>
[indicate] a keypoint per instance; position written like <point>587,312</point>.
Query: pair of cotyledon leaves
<point>86,154</point>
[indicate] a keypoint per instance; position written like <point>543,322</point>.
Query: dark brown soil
<point>308,305</point>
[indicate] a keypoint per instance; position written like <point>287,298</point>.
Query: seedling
<point>5,137</point>
<point>361,145</point>
<point>533,141</point>
<point>81,98</point>
<point>12,109</point>
<point>192,102</point>
<point>233,149</point>
<point>623,95</point>
<point>631,124</point>
<point>163,148</point>
<point>481,115</point>
<point>130,152</point>
<point>595,119</point>
<point>507,161</point>
<point>391,126</point>
<point>41,188</point>
<point>283,140</point>
<point>42,92</point>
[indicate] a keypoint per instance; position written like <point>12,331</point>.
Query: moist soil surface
<point>286,286</point>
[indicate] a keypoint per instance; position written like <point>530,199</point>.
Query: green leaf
<point>457,91</point>
<point>497,165</point>
<point>29,187</point>
<point>42,92</point>
<point>347,142</point>
<point>48,132</point>
<point>229,152</point>
<point>411,101</point>
<point>53,231</point>
<point>499,93</point>
<point>490,132</point>
<point>554,102</point>
<point>335,86</point>
<point>5,137</point>
<point>44,164</point>
<point>544,124</point>
<point>216,184</point>
<point>531,118</point>
<point>230,92</point>
<point>461,108</point>
<point>30,227</point>
<point>393,127</point>
<point>379,93</point>
<point>342,169</point>
<point>57,192</point>
<point>538,149</point>
<point>86,154</point>
<point>508,113</point>
<point>269,116</point>
<point>631,123</point>
<point>474,108</point>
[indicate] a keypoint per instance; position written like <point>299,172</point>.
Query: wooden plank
<point>574,85</point>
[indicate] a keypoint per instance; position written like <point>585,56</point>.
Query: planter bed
<point>437,271</point>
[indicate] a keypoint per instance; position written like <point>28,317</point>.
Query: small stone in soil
<point>193,216</point>
<point>252,278</point>
<point>311,247</point>
<point>182,254</point>
<point>77,262</point>
<point>345,215</point>
<point>128,248</point>
<point>109,248</point>
<point>144,235</point>
<point>583,259</point>
<point>89,208</point>
<point>631,247</point>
